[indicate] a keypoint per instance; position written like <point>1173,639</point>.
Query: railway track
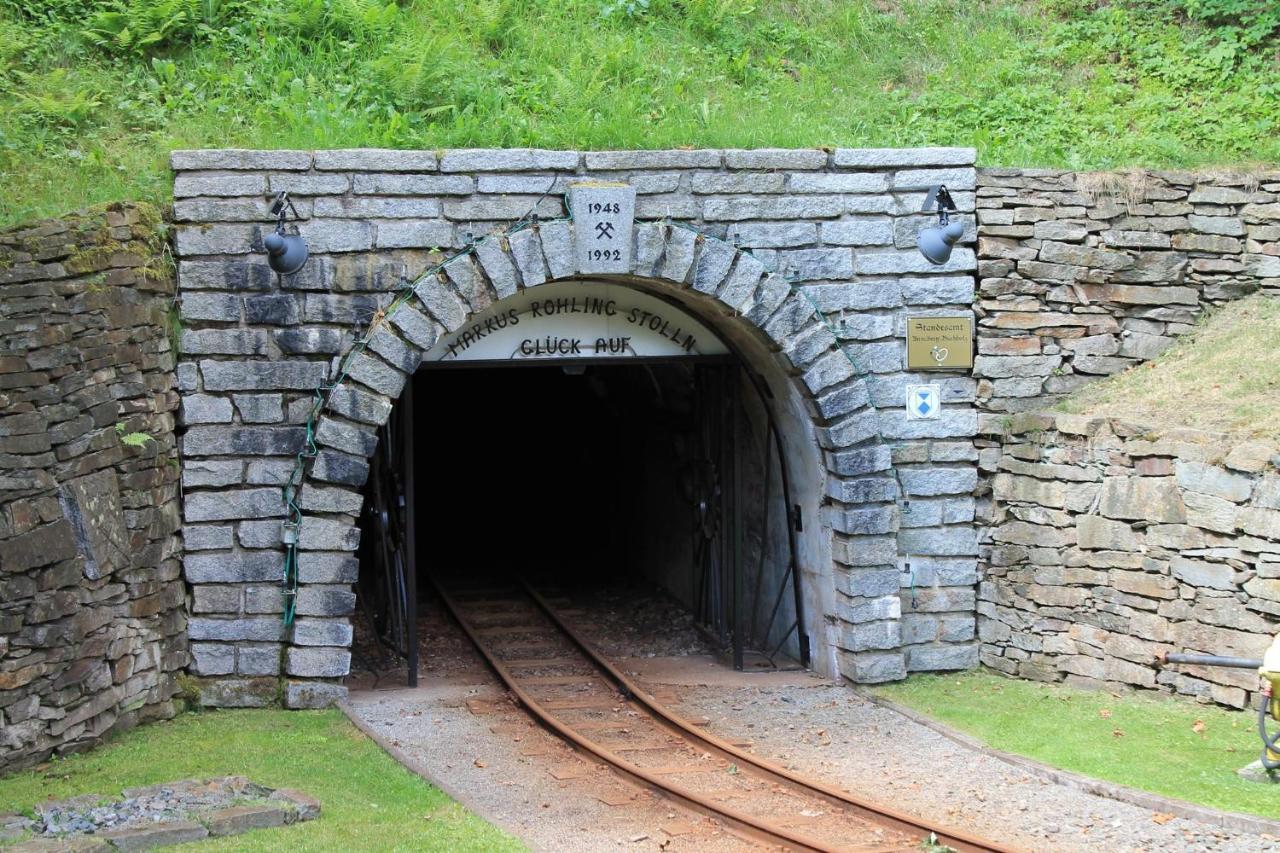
<point>570,688</point>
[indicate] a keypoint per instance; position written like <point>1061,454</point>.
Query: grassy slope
<point>1144,742</point>
<point>1222,377</point>
<point>369,801</point>
<point>1069,87</point>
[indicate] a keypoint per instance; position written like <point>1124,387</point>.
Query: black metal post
<point>410,532</point>
<point>735,416</point>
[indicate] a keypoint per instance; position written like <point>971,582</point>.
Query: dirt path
<point>462,731</point>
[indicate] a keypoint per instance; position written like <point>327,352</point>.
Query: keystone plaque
<point>603,214</point>
<point>940,343</point>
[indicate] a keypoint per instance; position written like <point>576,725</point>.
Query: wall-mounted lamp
<point>286,253</point>
<point>935,243</point>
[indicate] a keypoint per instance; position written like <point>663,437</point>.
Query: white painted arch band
<point>578,319</point>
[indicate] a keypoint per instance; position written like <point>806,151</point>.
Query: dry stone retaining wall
<point>92,622</point>
<point>1084,275</point>
<point>842,224</point>
<point>1113,543</point>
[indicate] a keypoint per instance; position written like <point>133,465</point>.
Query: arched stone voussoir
<point>394,349</point>
<point>830,369</point>
<point>498,266</point>
<point>345,435</point>
<point>875,488</point>
<point>526,252</point>
<point>328,533</point>
<point>335,466</point>
<point>740,285</point>
<point>678,254</point>
<point>441,303</point>
<point>792,315</point>
<point>416,327</point>
<point>809,344</point>
<point>711,265</point>
<point>471,285</point>
<point>375,374</point>
<point>864,519</point>
<point>858,428</point>
<point>316,497</point>
<point>557,248</point>
<point>649,241</point>
<point>772,292</point>
<point>366,407</point>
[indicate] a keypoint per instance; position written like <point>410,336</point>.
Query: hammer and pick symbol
<point>604,230</point>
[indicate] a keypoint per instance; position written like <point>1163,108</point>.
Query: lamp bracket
<point>938,197</point>
<point>278,206</point>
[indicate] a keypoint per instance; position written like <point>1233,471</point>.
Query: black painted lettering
<point>610,308</point>
<point>535,309</point>
<point>526,347</point>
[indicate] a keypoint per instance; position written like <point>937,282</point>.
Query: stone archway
<point>831,429</point>
<point>896,516</point>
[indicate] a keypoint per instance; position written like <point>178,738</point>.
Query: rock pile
<point>1082,276</point>
<point>158,815</point>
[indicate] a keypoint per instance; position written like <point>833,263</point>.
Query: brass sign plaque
<point>940,343</point>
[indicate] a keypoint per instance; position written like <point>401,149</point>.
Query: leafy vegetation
<point>132,439</point>
<point>366,797</point>
<point>1161,744</point>
<point>1221,377</point>
<point>94,93</point>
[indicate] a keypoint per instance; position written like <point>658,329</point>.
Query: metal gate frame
<point>388,595</point>
<point>388,580</point>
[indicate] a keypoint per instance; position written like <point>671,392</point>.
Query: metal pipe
<point>1210,660</point>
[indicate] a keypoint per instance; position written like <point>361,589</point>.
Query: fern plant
<point>133,439</point>
<point>57,99</point>
<point>148,26</point>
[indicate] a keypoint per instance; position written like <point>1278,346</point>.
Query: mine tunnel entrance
<point>628,475</point>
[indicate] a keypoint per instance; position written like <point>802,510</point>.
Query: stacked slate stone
<point>1114,543</point>
<point>92,629</point>
<point>1082,275</point>
<point>843,223</point>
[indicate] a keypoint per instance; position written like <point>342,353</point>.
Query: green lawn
<point>93,98</point>
<point>1160,744</point>
<point>369,801</point>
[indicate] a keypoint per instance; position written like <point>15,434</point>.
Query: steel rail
<point>739,820</point>
<point>884,815</point>
<point>743,822</point>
